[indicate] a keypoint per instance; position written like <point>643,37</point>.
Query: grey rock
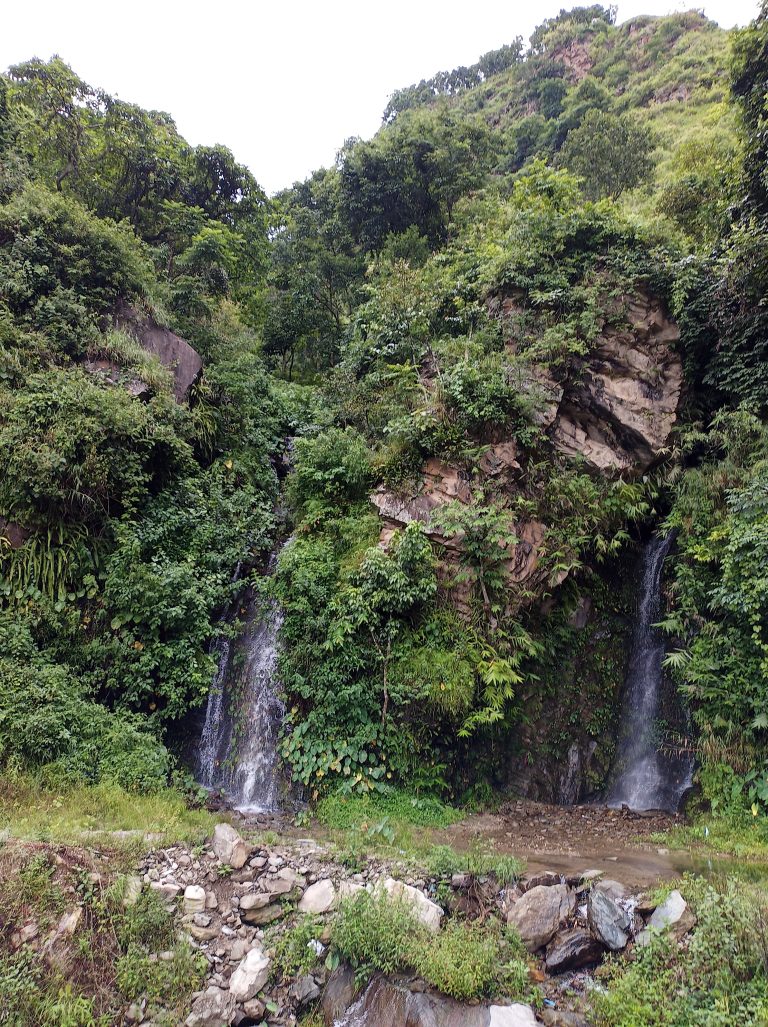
<point>673,915</point>
<point>318,898</point>
<point>229,847</point>
<point>538,913</point>
<point>304,990</point>
<point>338,994</point>
<point>264,915</point>
<point>609,923</point>
<point>250,976</point>
<point>571,950</point>
<point>212,1009</point>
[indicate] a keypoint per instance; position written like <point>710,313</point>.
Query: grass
<point>742,836</point>
<point>345,812</point>
<point>79,814</point>
<point>718,979</point>
<point>466,960</point>
<point>128,353</point>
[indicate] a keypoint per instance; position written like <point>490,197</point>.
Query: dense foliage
<point>432,291</point>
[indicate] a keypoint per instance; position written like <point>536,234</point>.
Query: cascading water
<point>238,746</point>
<point>645,777</point>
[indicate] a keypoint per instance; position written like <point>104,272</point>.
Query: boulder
<point>254,900</point>
<point>338,994</point>
<point>250,975</point>
<point>673,915</point>
<point>132,890</point>
<point>304,990</point>
<point>571,950</point>
<point>212,1009</point>
<point>263,915</point>
<point>194,899</point>
<point>516,1015</point>
<point>428,912</point>
<point>609,923</point>
<point>538,913</point>
<point>284,882</point>
<point>170,349</point>
<point>318,898</point>
<point>230,848</point>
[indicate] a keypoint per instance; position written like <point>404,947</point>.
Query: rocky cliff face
<point>614,413</point>
<point>174,352</point>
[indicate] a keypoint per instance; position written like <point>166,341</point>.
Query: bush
<point>373,932</point>
<point>718,980</point>
<point>464,960</point>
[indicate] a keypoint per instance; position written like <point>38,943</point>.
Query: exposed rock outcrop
<point>171,350</point>
<point>620,414</point>
<point>12,533</point>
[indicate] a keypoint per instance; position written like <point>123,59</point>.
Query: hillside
<point>434,484</point>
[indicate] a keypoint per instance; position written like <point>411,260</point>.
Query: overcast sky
<point>284,82</point>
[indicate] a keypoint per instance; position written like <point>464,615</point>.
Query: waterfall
<point>644,777</point>
<point>238,746</point>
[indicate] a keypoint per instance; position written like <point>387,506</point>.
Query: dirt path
<point>571,839</point>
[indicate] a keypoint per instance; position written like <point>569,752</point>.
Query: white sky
<point>283,83</point>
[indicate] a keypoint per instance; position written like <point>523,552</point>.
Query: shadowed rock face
<point>13,533</point>
<point>171,350</point>
<point>394,1002</point>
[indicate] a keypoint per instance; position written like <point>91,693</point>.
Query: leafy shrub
<point>719,979</point>
<point>165,981</point>
<point>294,953</point>
<point>464,960</point>
<point>373,932</point>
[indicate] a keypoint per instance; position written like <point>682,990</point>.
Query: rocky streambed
<point>234,898</point>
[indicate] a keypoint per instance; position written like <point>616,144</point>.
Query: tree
<point>412,174</point>
<point>609,152</point>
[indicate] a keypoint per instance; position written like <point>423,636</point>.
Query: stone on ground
<point>318,898</point>
<point>230,848</point>
<point>572,950</point>
<point>608,921</point>
<point>425,909</point>
<point>539,912</point>
<point>212,1009</point>
<point>194,899</point>
<point>250,976</point>
<point>673,915</point>
<point>516,1015</point>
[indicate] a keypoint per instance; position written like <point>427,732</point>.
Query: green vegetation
<point>112,954</point>
<point>719,978</point>
<point>465,960</point>
<point>50,810</point>
<point>409,318</point>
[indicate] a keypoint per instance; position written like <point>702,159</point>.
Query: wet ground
<point>567,840</point>
<point>571,839</point>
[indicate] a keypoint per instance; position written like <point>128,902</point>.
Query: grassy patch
<point>345,812</point>
<point>464,960</point>
<point>719,978</point>
<point>480,860</point>
<point>79,814</point>
<point>743,836</point>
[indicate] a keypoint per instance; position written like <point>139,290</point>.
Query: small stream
<point>645,776</point>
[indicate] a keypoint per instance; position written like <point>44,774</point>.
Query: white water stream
<point>644,775</point>
<point>238,746</point>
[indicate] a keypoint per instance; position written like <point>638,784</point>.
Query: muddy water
<point>571,840</point>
